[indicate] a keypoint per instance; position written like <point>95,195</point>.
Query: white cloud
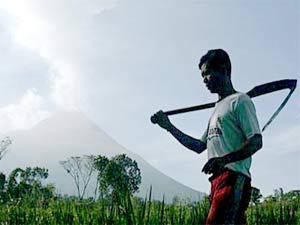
<point>23,115</point>
<point>64,84</point>
<point>59,31</point>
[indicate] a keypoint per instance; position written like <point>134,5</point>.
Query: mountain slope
<point>67,134</point>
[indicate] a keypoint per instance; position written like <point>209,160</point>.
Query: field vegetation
<point>36,209</point>
<point>26,199</point>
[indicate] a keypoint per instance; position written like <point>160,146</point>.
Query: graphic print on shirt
<point>214,131</point>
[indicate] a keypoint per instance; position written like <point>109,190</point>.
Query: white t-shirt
<point>233,121</point>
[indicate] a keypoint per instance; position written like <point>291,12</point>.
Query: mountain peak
<point>74,125</point>
<point>71,133</point>
<point>67,119</point>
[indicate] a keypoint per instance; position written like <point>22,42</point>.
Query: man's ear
<point>224,70</point>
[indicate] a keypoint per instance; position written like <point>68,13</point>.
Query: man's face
<point>213,79</point>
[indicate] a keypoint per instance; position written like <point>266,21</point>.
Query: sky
<point>120,61</point>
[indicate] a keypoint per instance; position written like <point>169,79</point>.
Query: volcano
<point>71,133</point>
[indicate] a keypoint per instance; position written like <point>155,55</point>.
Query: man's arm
<point>247,149</point>
<point>191,143</point>
<point>186,140</point>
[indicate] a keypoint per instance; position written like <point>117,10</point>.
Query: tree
<point>278,194</point>
<point>28,181</point>
<point>4,146</point>
<point>255,196</point>
<point>118,176</point>
<point>294,194</point>
<point>13,188</point>
<point>2,185</point>
<point>100,163</point>
<point>81,169</point>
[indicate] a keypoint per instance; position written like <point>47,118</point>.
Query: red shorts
<point>229,198</point>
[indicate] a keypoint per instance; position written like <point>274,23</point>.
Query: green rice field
<point>132,210</point>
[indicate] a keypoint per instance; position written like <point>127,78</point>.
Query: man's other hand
<point>214,165</point>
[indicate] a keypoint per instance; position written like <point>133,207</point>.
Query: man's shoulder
<point>236,97</point>
<point>240,97</point>
<point>234,101</point>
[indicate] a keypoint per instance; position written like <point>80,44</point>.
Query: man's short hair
<point>217,59</point>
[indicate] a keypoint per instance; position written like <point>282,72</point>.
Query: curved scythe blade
<point>292,88</point>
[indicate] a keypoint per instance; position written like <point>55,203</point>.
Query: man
<point>231,138</point>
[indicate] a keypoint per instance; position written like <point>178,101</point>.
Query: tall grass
<point>275,212</point>
<point>132,210</point>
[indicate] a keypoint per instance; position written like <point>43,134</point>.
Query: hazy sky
<point>120,61</point>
